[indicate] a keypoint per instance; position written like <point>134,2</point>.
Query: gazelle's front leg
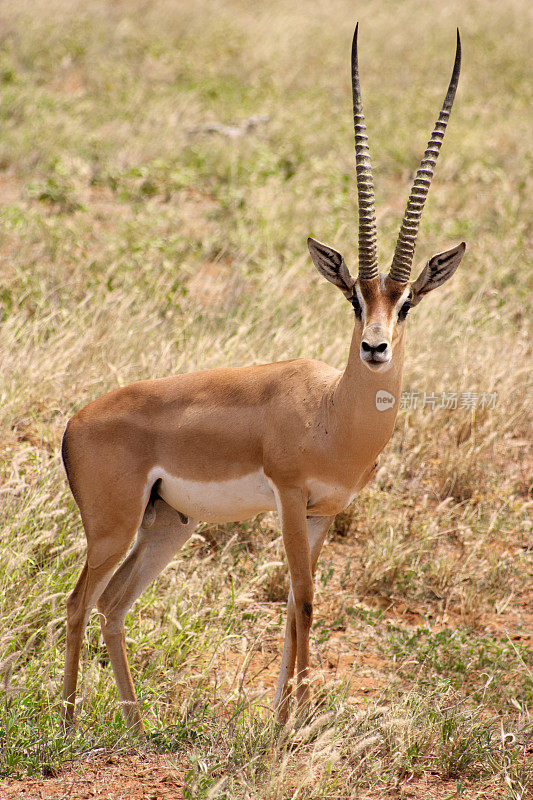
<point>317,529</point>
<point>292,504</point>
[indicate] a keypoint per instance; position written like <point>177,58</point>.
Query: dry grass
<point>135,243</point>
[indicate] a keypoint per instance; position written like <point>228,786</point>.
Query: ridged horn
<point>405,246</point>
<point>368,259</point>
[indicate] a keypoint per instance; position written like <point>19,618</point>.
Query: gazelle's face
<point>380,307</point>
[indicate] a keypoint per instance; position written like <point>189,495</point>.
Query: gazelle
<point>299,437</point>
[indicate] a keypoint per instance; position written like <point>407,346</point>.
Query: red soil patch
<point>114,777</point>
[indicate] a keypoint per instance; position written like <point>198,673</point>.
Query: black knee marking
<point>307,611</point>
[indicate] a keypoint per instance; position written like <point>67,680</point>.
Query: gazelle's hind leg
<point>160,536</point>
<point>99,566</point>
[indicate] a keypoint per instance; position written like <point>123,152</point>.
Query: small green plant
<point>488,669</point>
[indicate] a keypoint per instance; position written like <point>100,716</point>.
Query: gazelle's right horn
<point>405,246</point>
<point>368,257</point>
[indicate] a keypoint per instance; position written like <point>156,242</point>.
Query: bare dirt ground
<point>160,777</point>
<point>136,777</point>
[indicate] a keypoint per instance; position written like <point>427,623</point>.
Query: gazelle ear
<point>331,265</point>
<point>437,271</point>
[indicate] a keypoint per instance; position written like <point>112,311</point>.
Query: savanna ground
<point>161,165</point>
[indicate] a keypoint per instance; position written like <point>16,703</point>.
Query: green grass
<point>489,670</point>
<point>135,244</point>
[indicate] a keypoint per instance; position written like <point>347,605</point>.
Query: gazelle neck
<point>356,398</point>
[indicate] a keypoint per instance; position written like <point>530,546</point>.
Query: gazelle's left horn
<point>405,246</point>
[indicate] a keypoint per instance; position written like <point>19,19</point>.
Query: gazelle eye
<point>356,306</point>
<point>403,311</point>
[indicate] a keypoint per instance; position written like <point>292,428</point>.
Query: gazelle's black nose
<point>372,351</point>
<point>375,348</point>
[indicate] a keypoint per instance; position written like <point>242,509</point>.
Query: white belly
<point>216,501</point>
